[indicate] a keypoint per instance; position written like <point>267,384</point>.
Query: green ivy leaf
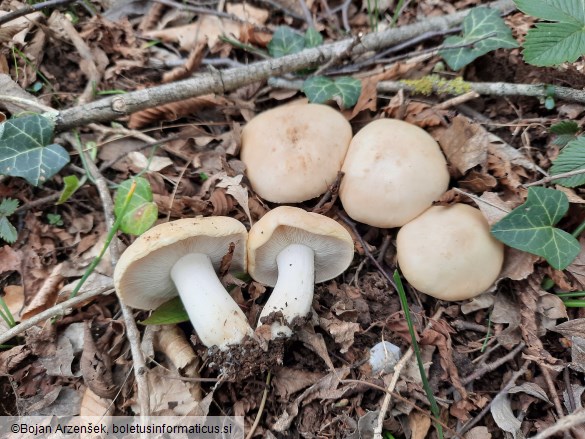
<point>285,41</point>
<point>70,187</point>
<point>169,313</point>
<point>571,158</point>
<point>320,89</point>
<point>529,228</point>
<point>23,152</point>
<point>141,212</point>
<point>313,38</point>
<point>550,44</point>
<point>483,31</point>
<point>8,206</point>
<point>7,231</point>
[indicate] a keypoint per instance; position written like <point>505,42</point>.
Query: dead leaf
<point>14,299</point>
<point>10,259</point>
<point>248,13</point>
<point>518,265</point>
<point>532,389</point>
<point>577,391</point>
<point>12,358</point>
<point>140,162</point>
<point>464,143</point>
<point>572,328</point>
<point>96,367</point>
<point>288,381</point>
<point>577,267</point>
<point>478,433</point>
<point>501,410</point>
<point>578,354</point>
<point>59,363</point>
<point>343,332</point>
<point>47,294</point>
<point>493,207</point>
<point>478,182</point>
<point>236,190</point>
<point>316,343</point>
<point>419,425</point>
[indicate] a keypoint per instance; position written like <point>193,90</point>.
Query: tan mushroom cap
<point>393,172</point>
<point>449,253</point>
<point>143,274</point>
<point>294,152</point>
<point>285,225</point>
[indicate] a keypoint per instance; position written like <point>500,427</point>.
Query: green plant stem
<point>109,238</point>
<point>416,350</point>
<point>574,303</point>
<point>246,47</point>
<point>6,314</point>
<point>572,294</point>
<point>397,12</point>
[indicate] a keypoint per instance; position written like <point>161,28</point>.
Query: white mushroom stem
<point>293,292</point>
<point>216,317</point>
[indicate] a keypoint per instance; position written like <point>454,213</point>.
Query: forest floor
<point>499,365</point>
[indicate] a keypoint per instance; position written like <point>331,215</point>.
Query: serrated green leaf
<point>313,38</point>
<point>554,10</point>
<point>7,231</point>
<point>71,185</point>
<point>141,212</point>
<point>483,31</point>
<point>285,41</point>
<point>23,152</point>
<point>530,228</point>
<point>549,44</point>
<point>571,158</point>
<point>320,89</point>
<point>565,127</point>
<point>8,206</point>
<point>169,313</point>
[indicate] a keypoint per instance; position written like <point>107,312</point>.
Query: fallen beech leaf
<point>14,299</point>
<point>577,267</point>
<point>10,259</point>
<point>577,391</point>
<point>59,363</point>
<point>342,332</point>
<point>501,410</point>
<point>154,164</point>
<point>578,354</point>
<point>493,207</point>
<point>288,381</point>
<point>518,265</point>
<point>96,367</point>
<point>464,143</point>
<point>572,328</point>
<point>47,294</point>
<point>419,425</point>
<point>12,358</point>
<point>478,433</point>
<point>531,389</point>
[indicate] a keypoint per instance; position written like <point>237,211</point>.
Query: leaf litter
<point>320,383</point>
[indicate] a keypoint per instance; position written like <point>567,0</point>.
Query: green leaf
<point>7,231</point>
<point>571,158</point>
<point>141,212</point>
<point>285,41</point>
<point>8,206</point>
<point>529,228</point>
<point>549,44</point>
<point>320,89</point>
<point>169,313</point>
<point>483,31</point>
<point>70,187</point>
<point>565,127</point>
<point>23,152</point>
<point>313,38</point>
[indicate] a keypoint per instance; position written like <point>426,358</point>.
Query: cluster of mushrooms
<point>393,172</point>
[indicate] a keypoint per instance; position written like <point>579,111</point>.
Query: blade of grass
<point>6,314</point>
<point>109,238</point>
<point>574,303</point>
<point>571,294</point>
<point>416,349</point>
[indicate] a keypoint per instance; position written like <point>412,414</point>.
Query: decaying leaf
<point>342,332</point>
<point>532,389</point>
<point>10,259</point>
<point>578,354</point>
<point>501,410</point>
<point>288,381</point>
<point>96,367</point>
<point>572,328</point>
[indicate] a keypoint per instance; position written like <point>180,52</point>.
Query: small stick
<point>562,425</point>
<point>29,9</point>
<point>555,177</point>
<point>261,408</point>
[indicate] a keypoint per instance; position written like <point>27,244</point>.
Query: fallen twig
<point>496,89</point>
<point>564,424</point>
<point>29,9</point>
<point>111,108</point>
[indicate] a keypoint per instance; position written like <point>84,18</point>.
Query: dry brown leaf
<point>493,207</point>
<point>571,194</point>
<point>236,190</point>
<point>577,267</point>
<point>419,425</point>
<point>316,343</point>
<point>193,62</point>
<point>478,182</point>
<point>12,358</point>
<point>175,110</point>
<point>572,328</point>
<point>518,265</point>
<point>96,367</point>
<point>288,381</point>
<point>14,299</point>
<point>478,433</point>
<point>578,354</point>
<point>10,259</point>
<point>59,362</point>
<point>140,162</point>
<point>369,95</point>
<point>342,332</point>
<point>248,13</point>
<point>46,297</point>
<point>464,143</point>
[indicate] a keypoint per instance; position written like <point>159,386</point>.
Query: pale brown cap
<point>143,274</point>
<point>449,252</point>
<point>393,172</point>
<point>285,225</point>
<point>294,152</point>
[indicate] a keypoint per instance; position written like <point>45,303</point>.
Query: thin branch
<point>29,9</point>
<point>54,311</point>
<point>564,424</point>
<point>113,107</point>
<point>555,177</point>
<point>498,89</point>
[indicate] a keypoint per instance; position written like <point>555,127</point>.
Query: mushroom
<point>180,257</point>
<point>294,152</point>
<point>449,253</point>
<point>393,172</point>
<point>291,249</point>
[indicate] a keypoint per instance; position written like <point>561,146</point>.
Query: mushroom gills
<point>216,317</point>
<point>293,293</point>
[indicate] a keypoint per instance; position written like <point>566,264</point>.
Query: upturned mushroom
<point>294,152</point>
<point>180,258</point>
<point>291,250</point>
<point>393,172</point>
<point>449,253</point>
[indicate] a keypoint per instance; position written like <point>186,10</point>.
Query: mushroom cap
<point>294,152</point>
<point>393,172</point>
<point>449,253</point>
<point>285,225</point>
<point>143,274</point>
